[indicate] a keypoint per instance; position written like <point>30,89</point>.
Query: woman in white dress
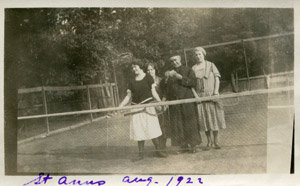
<point>144,123</point>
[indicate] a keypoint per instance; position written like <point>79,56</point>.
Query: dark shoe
<point>178,152</point>
<point>161,154</point>
<point>181,151</point>
<point>217,146</point>
<point>208,147</point>
<point>193,150</point>
<point>184,149</point>
<point>138,158</point>
<point>175,152</point>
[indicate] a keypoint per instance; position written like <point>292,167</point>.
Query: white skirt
<point>144,125</point>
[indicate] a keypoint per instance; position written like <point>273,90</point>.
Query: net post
<point>246,63</point>
<point>45,108</point>
<point>90,103</point>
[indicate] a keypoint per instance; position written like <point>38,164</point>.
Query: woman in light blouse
<point>163,116</point>
<point>211,113</point>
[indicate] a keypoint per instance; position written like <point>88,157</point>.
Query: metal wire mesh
<point>106,141</point>
<point>61,100</point>
<point>246,119</point>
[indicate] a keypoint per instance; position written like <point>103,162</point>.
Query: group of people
<point>180,122</point>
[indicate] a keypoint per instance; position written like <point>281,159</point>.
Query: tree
<point>68,46</point>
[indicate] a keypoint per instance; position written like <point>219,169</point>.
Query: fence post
<point>45,107</point>
<point>112,95</point>
<point>107,91</point>
<point>236,79</point>
<point>186,62</point>
<point>116,84</point>
<point>267,79</point>
<point>106,85</point>
<point>233,83</point>
<point>115,94</point>
<point>272,71</point>
<point>246,62</point>
<point>90,103</point>
<point>103,95</point>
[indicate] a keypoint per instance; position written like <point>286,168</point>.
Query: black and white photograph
<point>148,90</point>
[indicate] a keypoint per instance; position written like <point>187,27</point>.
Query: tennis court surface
<point>257,140</point>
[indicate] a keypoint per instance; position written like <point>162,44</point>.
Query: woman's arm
<point>217,85</point>
<point>217,76</point>
<point>155,95</point>
<point>154,92</point>
<point>126,99</point>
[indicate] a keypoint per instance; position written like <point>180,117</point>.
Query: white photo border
<point>224,180</point>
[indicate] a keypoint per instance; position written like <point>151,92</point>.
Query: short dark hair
<point>153,65</point>
<point>139,63</point>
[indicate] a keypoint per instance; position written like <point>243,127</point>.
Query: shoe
<point>176,152</point>
<point>217,146</point>
<point>181,151</point>
<point>138,158</point>
<point>184,149</point>
<point>193,150</point>
<point>208,147</point>
<point>161,154</point>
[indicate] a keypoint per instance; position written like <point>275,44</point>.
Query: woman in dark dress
<point>144,123</point>
<point>177,85</point>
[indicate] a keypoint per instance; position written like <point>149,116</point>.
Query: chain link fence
<point>51,100</point>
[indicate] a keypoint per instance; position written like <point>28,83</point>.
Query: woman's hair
<point>139,63</point>
<point>175,57</point>
<point>200,49</point>
<point>153,65</point>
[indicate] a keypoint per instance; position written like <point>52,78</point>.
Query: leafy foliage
<point>70,46</point>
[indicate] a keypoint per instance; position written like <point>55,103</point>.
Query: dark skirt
<point>184,124</point>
